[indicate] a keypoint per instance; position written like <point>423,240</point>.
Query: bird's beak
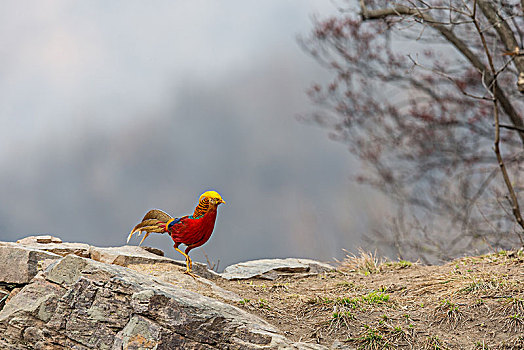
<point>222,201</point>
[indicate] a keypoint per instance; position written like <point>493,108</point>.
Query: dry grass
<point>371,338</point>
<point>365,263</point>
<point>369,303</point>
<point>448,313</point>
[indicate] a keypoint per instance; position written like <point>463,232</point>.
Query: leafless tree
<point>429,95</point>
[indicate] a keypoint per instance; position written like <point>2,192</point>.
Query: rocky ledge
<point>56,295</point>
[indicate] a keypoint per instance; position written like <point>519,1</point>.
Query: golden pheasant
<point>190,230</point>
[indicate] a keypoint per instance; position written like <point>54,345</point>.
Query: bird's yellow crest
<point>212,194</point>
<point>203,202</point>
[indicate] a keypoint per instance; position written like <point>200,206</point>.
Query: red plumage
<point>193,232</point>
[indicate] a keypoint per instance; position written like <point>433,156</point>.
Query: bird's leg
<point>188,262</point>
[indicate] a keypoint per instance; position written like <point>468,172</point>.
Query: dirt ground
<point>469,303</point>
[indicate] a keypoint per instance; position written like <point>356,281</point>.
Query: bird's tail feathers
<point>153,222</point>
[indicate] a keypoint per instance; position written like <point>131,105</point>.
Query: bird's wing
<point>176,223</point>
<point>157,214</point>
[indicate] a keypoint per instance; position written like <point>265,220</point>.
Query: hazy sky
<point>109,109</point>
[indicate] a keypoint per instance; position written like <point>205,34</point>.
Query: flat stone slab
<point>272,268</point>
<point>132,255</point>
<point>54,245</point>
<point>42,239</point>
<point>126,255</point>
<point>62,249</point>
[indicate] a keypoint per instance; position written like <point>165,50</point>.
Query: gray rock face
<point>84,304</point>
<point>20,264</point>
<point>128,297</point>
<point>173,274</point>
<point>272,268</point>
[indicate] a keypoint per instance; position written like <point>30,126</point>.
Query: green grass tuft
<point>371,338</point>
<point>375,298</point>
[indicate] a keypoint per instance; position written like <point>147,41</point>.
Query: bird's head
<point>212,197</point>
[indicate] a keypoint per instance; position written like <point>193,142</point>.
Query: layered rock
<point>121,298</point>
<point>54,245</point>
<point>20,264</point>
<point>88,304</point>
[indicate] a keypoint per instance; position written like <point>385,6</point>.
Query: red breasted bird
<point>190,230</point>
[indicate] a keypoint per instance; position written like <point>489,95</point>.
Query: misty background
<point>109,109</point>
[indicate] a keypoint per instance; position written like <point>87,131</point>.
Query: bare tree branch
<point>424,129</point>
<point>506,36</point>
<point>513,196</point>
<point>511,127</point>
<point>489,78</point>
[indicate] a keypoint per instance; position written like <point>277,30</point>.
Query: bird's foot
<point>188,272</point>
